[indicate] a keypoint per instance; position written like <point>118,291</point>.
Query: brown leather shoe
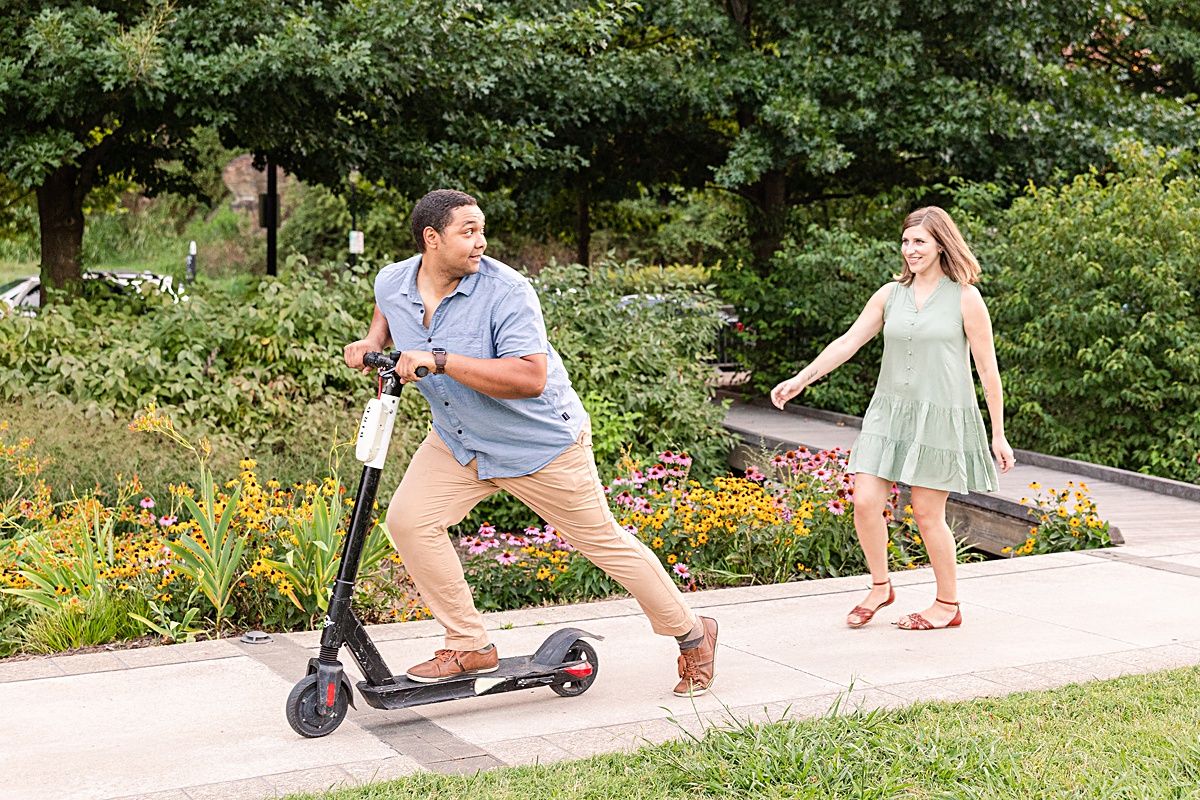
<point>447,664</point>
<point>696,666</point>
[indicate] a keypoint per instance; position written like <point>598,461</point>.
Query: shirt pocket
<point>466,336</point>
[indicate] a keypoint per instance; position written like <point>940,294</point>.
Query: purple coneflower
<point>835,507</point>
<point>147,503</point>
<point>507,557</point>
<point>682,571</point>
<point>167,521</point>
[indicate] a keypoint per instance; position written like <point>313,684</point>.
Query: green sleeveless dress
<point>923,426</point>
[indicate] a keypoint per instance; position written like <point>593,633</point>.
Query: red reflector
<point>330,694</point>
<point>579,670</point>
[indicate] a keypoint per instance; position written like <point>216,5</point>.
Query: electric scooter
<point>317,704</point>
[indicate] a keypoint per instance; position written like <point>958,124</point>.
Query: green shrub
<point>261,374</point>
<point>1097,316</point>
<point>642,356</point>
<point>816,287</point>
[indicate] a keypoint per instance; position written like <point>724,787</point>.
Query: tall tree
<point>93,91</point>
<point>789,103</point>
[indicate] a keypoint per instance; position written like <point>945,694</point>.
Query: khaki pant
<point>438,492</point>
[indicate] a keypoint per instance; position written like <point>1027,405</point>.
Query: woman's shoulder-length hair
<point>958,262</point>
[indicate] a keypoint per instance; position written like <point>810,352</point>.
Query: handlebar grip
<point>422,371</point>
<point>378,361</point>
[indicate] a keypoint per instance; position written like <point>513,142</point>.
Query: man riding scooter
<point>504,418</point>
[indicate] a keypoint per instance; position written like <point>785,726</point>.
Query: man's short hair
<point>434,211</point>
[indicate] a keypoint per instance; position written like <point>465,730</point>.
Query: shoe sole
<point>712,680</point>
<point>697,692</point>
<point>455,676</point>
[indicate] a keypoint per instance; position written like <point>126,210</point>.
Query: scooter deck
<point>518,672</point>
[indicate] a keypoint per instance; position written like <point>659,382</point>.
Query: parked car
<point>24,294</point>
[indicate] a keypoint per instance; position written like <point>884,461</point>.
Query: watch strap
<point>439,360</point>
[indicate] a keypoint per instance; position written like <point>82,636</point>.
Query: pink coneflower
<point>480,546</point>
<point>507,558</point>
<point>643,505</point>
<point>167,521</point>
<point>835,507</point>
<point>516,541</point>
<point>563,544</point>
<point>752,474</point>
<point>632,530</point>
<point>624,499</point>
<point>487,529</point>
<point>542,537</point>
<point>682,571</point>
<point>657,472</point>
<point>667,457</point>
<point>147,503</point>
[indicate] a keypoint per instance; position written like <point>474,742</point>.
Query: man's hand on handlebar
<point>354,352</point>
<point>412,360</point>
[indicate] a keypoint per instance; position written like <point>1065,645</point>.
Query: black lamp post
<point>272,210</point>
<point>356,238</point>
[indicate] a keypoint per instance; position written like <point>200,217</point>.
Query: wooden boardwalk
<point>1148,511</point>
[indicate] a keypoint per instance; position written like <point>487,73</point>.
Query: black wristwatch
<point>439,360</point>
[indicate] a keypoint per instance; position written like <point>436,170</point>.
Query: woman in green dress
<point>923,426</point>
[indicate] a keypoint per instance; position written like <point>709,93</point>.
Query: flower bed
<point>199,561</point>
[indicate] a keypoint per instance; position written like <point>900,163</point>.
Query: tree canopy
<point>560,105</point>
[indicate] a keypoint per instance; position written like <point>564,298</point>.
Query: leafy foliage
<point>642,354</point>
<point>816,287</point>
<point>1097,316</point>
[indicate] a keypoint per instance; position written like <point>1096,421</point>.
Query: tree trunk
<point>583,223</point>
<point>60,214</point>
<point>769,197</point>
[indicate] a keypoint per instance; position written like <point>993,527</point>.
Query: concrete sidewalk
<point>207,720</point>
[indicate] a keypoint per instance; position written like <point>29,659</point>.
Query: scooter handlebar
<point>381,361</point>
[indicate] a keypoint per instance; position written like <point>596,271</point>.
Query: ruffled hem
<point>921,444</point>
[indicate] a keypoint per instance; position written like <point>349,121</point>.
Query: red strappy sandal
<point>915,622</point>
<point>861,615</point>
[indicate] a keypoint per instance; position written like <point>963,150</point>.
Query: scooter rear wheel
<point>580,651</point>
<point>302,710</point>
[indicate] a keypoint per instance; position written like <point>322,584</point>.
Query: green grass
<point>1133,737</point>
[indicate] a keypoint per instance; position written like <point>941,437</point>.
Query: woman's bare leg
<point>929,511</point>
<point>870,496</point>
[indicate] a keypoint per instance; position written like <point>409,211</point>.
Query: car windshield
<point>12,284</point>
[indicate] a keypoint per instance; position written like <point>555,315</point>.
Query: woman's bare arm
<point>837,352</point>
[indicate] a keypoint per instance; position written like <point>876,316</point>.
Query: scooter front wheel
<point>302,710</point>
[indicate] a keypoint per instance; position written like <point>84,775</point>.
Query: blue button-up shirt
<point>492,314</point>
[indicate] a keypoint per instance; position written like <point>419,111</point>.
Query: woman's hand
<point>786,390</point>
<point>1004,453</point>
